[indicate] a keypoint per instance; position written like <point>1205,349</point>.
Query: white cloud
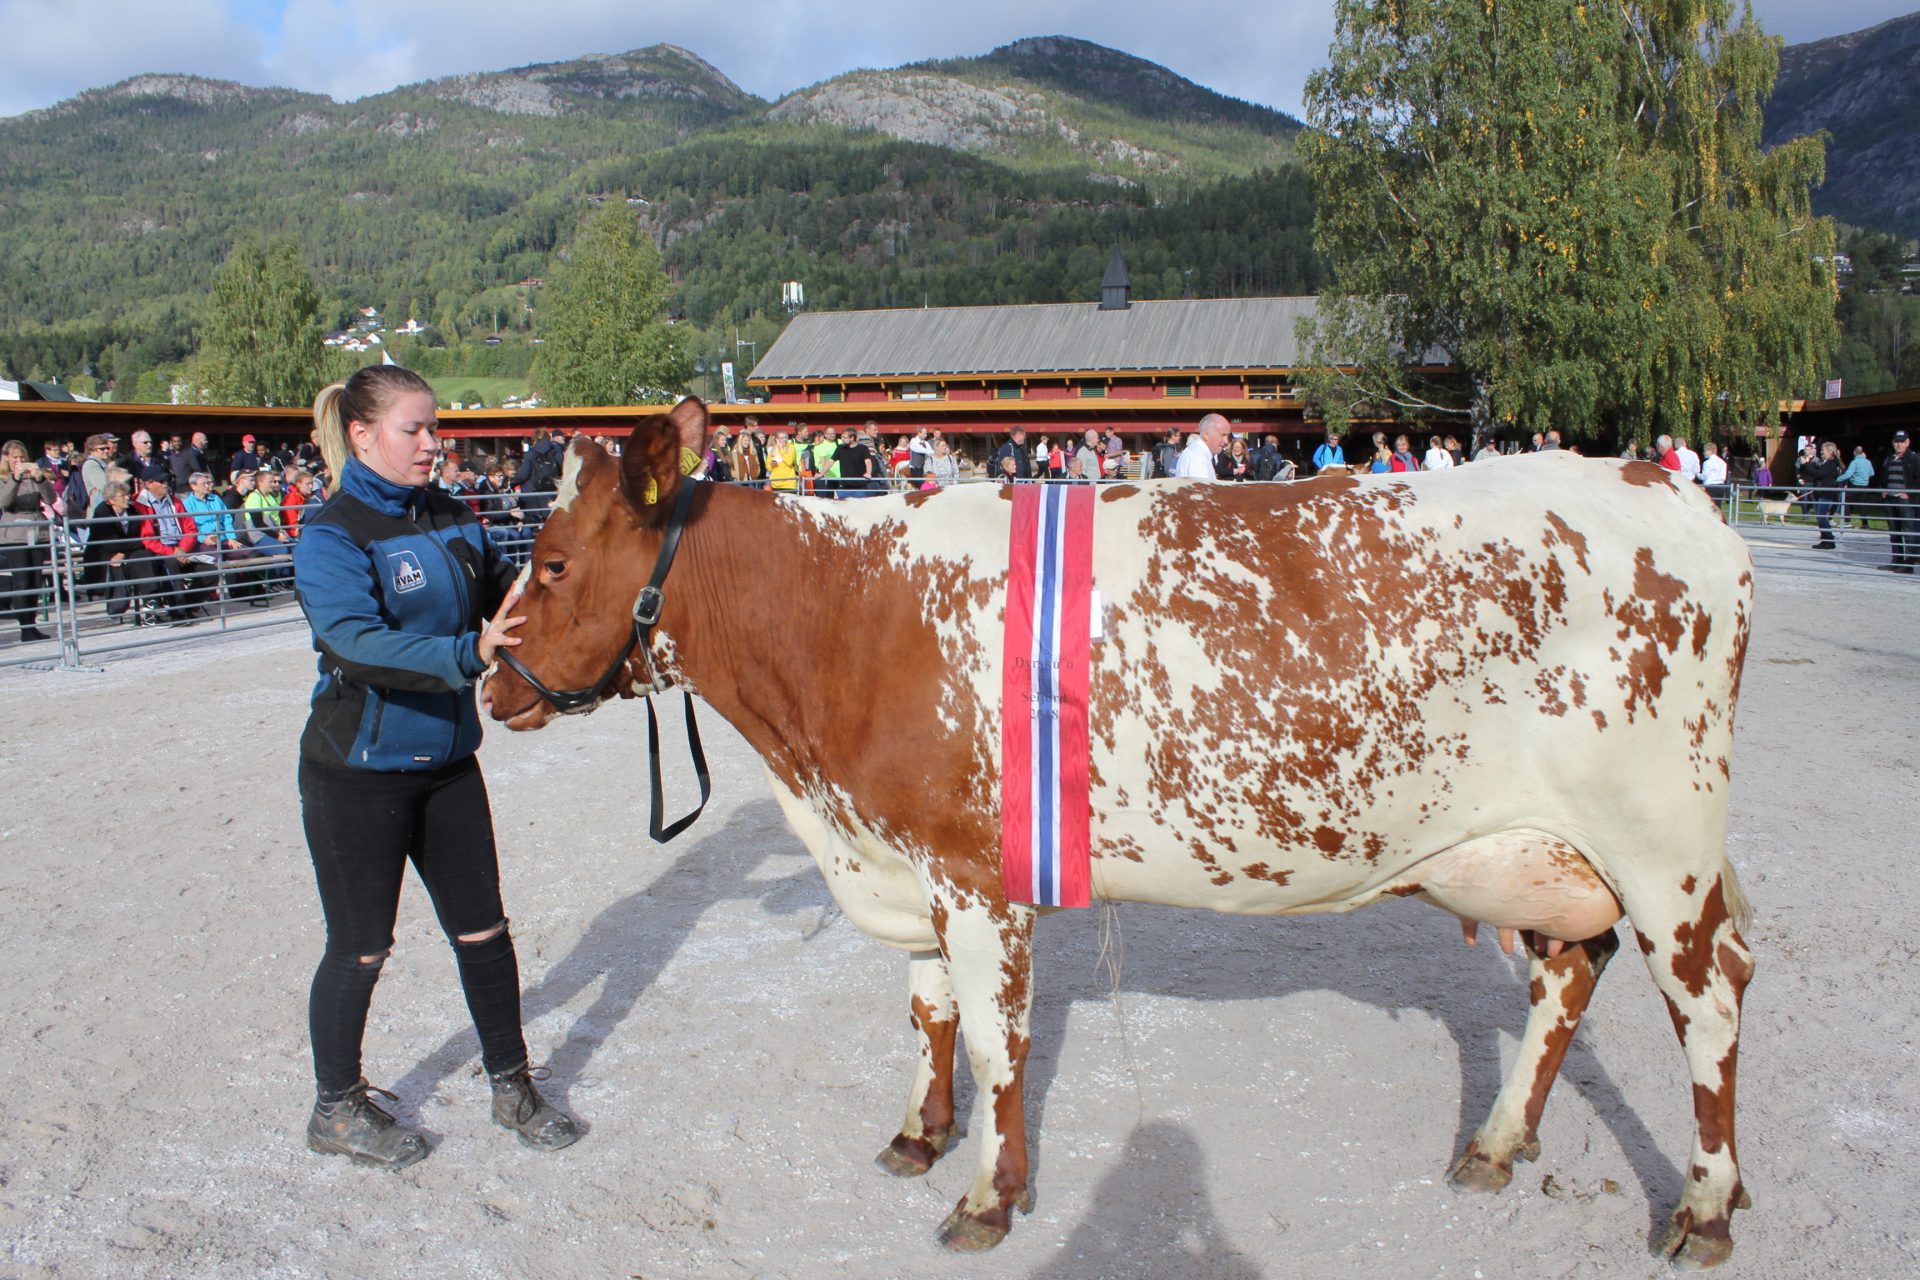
<point>57,48</point>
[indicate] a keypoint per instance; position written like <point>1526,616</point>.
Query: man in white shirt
<point>1713,467</point>
<point>1196,460</point>
<point>1689,461</point>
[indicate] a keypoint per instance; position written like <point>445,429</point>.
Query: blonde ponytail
<point>333,430</point>
<point>362,398</point>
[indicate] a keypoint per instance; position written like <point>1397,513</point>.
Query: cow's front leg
<point>928,1127</point>
<point>989,952</point>
<point>1559,987</point>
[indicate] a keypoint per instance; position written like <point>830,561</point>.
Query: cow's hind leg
<point>1559,988</point>
<point>989,952</point>
<point>923,1137</point>
<point>1702,965</point>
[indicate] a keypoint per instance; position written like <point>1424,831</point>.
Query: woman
<point>1382,459</point>
<point>744,460</point>
<point>397,580</point>
<point>782,464</point>
<point>1238,465</point>
<point>1438,458</point>
<point>26,496</point>
<point>1403,459</point>
<point>942,470</point>
<point>115,536</point>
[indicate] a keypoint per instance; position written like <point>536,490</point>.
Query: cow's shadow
<point>1395,957</point>
<point>1384,957</point>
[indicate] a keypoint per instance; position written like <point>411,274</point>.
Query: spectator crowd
<point>161,532</point>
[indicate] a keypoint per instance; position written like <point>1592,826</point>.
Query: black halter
<point>646,615</point>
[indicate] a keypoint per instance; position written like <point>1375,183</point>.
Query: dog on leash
<point>1777,508</point>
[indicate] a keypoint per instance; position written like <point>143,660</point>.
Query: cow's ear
<point>659,455</point>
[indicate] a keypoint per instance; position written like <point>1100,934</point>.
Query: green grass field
<point>489,391</point>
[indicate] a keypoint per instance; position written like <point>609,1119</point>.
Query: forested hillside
<point>437,201</point>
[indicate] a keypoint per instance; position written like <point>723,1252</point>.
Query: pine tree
<point>603,326</point>
<point>1551,215</point>
<point>260,338</point>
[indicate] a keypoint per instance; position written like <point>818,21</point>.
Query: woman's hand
<point>495,636</point>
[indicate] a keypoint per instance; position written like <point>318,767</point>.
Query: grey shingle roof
<point>1210,333</point>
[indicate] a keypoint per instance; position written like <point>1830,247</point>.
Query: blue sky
<point>1260,50</point>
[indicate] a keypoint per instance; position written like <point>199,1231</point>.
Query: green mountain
<point>1057,102</point>
<point>437,201</point>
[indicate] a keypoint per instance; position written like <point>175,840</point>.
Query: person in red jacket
<point>168,536</point>
<point>1665,454</point>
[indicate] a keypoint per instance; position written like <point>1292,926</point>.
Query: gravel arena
<point>1251,1098</point>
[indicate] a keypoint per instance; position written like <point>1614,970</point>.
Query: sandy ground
<point>1259,1098</point>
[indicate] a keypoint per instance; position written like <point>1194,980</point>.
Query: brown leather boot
<point>357,1127</point>
<point>518,1106</point>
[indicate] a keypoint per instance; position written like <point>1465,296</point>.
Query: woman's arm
<point>334,580</point>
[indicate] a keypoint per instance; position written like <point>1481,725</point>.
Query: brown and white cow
<point>1508,689</point>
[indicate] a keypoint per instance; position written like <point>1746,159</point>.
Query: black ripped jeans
<point>362,829</point>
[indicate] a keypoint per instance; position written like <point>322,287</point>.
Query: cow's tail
<point>1735,897</point>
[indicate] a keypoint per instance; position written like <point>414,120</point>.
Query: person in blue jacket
<point>398,581</point>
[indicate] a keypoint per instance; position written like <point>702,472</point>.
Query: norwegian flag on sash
<point>1044,802</point>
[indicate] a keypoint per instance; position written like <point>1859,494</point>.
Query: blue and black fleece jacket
<point>396,583</point>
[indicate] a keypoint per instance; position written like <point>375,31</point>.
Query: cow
<point>1507,690</point>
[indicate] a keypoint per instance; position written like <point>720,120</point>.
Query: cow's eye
<point>555,568</point>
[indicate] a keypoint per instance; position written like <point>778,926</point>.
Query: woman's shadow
<point>1151,1218</point>
<point>630,943</point>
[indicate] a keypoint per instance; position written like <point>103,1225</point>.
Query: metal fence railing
<point>1804,506</point>
<point>113,582</point>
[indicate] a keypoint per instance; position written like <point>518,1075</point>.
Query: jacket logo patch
<point>407,574</point>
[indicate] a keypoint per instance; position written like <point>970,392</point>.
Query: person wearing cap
<point>409,602</point>
<point>244,458</point>
<point>168,536</point>
<point>1900,473</point>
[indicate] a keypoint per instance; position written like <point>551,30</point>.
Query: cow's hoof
<point>907,1157</point>
<point>1475,1172</point>
<point>1694,1247</point>
<point>1529,1150</point>
<point>965,1232</point>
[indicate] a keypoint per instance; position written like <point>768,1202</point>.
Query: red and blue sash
<point>1044,802</point>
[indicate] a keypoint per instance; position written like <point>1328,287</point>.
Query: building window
<point>834,396</point>
<point>1006,393</point>
<point>1093,391</point>
<point>919,391</point>
<point>1177,389</point>
<point>1263,391</point>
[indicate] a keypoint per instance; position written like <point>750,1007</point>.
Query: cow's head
<point>589,562</point>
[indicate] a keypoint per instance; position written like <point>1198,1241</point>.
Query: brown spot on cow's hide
<point>1261,871</point>
<point>936,1110</point>
<point>1647,475</point>
<point>1569,537</point>
<point>1329,840</point>
<point>1686,886</point>
<point>1599,719</point>
<point>1117,492</point>
<point>1693,958</point>
<point>1403,890</point>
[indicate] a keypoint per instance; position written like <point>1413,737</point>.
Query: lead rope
<point>662,835</point>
